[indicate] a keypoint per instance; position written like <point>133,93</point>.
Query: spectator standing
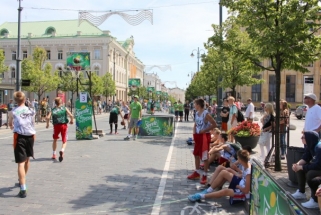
<point>21,121</point>
<point>180,110</point>
<point>214,107</point>
<point>249,113</point>
<point>232,121</point>
<point>313,115</point>
<point>284,121</point>
<point>238,104</point>
<point>225,115</point>
<point>186,110</point>
<point>135,116</point>
<point>308,169</point>
<point>44,107</point>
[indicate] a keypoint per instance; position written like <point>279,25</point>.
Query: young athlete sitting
<point>215,134</point>
<point>238,185</point>
<point>222,150</point>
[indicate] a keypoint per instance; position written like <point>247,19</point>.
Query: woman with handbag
<point>267,121</point>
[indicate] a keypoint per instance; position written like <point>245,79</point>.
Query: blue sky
<point>179,27</point>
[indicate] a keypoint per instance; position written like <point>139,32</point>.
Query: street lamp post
<point>18,58</point>
<point>198,57</point>
<point>114,56</point>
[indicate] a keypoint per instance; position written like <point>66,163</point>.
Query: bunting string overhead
<point>163,68</point>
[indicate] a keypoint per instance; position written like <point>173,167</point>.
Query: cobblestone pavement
<point>105,176</point>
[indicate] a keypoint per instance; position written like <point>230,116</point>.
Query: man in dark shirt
<point>186,110</point>
<point>225,115</point>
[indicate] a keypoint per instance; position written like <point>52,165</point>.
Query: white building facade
<point>152,80</point>
<point>177,93</point>
<point>60,37</point>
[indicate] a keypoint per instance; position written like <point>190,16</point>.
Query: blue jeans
<point>282,144</point>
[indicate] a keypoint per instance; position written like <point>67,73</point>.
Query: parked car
<point>301,111</point>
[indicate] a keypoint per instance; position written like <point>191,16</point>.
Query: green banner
<point>165,94</point>
<point>157,126</point>
<point>267,197</point>
<point>158,106</point>
<point>150,89</point>
<point>158,93</point>
<point>84,118</point>
<point>133,83</point>
<point>78,60</point>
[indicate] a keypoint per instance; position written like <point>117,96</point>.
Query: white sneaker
<point>310,204</point>
<point>299,195</point>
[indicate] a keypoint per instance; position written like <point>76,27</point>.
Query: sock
<point>210,189</point>
<point>23,187</point>
<point>204,173</point>
<point>202,196</point>
<point>129,135</point>
<point>54,152</point>
<point>111,127</point>
<point>116,128</point>
<point>199,171</point>
<point>62,150</point>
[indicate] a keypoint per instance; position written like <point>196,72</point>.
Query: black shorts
<point>113,118</point>
<point>180,113</point>
<point>235,181</point>
<point>176,113</point>
<point>23,147</point>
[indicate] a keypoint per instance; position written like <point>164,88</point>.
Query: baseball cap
<point>311,95</point>
<point>136,96</point>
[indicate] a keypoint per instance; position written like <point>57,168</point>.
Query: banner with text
<point>268,197</point>
<point>157,126</point>
<point>84,117</point>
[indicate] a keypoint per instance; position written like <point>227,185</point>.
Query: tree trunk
<point>234,92</point>
<point>277,166</point>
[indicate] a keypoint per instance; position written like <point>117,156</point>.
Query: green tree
<point>97,85</point>
<point>68,83</point>
<point>284,32</point>
<point>3,67</point>
<point>39,73</point>
<point>140,91</point>
<point>109,87</point>
<point>171,99</point>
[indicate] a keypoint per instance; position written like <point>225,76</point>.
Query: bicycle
<point>199,210</point>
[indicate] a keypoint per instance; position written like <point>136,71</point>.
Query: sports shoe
<point>204,179</point>
<point>22,194</point>
<point>61,156</point>
<point>195,197</point>
<point>310,204</point>
<point>53,156</point>
<point>204,191</point>
<point>124,127</point>
<point>298,195</point>
<point>111,132</point>
<point>116,132</point>
<point>127,138</point>
<point>194,176</point>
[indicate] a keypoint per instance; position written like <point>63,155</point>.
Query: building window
<point>310,64</point>
<point>13,72</point>
<point>60,54</point>
<point>290,88</point>
<point>50,30</point>
<point>83,49</point>
<point>97,54</point>
<point>71,49</point>
<point>2,75</point>
<point>96,70</point>
<point>272,88</point>
<point>256,90</point>
<point>48,55</point>
<point>24,54</point>
<point>14,55</point>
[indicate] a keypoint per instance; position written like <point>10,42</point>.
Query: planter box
<point>248,141</point>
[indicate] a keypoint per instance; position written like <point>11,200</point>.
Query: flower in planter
<point>246,129</point>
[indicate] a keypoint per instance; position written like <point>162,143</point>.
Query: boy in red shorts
<point>204,123</point>
<point>60,123</point>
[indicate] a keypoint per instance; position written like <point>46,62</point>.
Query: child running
<point>238,185</point>
<point>204,123</point>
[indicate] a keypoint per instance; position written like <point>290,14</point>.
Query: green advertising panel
<point>157,126</point>
<point>133,83</point>
<point>150,89</point>
<point>158,93</point>
<point>267,196</point>
<point>78,60</point>
<point>83,117</point>
<point>158,106</point>
<point>165,94</point>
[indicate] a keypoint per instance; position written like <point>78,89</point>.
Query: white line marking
<point>162,183</point>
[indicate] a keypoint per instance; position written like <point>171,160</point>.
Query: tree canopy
<point>39,72</point>
<point>109,87</point>
<point>3,67</point>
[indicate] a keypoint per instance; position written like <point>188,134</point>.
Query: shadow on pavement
<point>8,189</point>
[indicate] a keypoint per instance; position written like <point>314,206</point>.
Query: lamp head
<point>192,55</point>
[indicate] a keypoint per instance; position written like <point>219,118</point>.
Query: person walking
<point>125,109</point>
<point>204,123</point>
<point>268,122</point>
<point>43,108</point>
<point>313,115</point>
<point>249,113</point>
<point>186,110</point>
<point>10,106</point>
<point>135,116</point>
<point>113,118</point>
<point>180,110</point>
<point>59,115</point>
<point>284,121</point>
<point>232,121</point>
<point>22,122</point>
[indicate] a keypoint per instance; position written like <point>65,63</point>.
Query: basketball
<point>122,123</point>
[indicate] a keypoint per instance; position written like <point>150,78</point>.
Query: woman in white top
<point>238,185</point>
<point>125,109</point>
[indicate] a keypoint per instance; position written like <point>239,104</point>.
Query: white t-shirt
<point>313,118</point>
<point>249,109</point>
<point>242,183</point>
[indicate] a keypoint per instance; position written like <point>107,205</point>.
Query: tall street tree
<point>285,32</point>
<point>3,67</point>
<point>68,82</point>
<point>39,72</point>
<point>109,87</point>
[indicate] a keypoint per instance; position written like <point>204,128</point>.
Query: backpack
<point>237,147</point>
<point>240,116</point>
